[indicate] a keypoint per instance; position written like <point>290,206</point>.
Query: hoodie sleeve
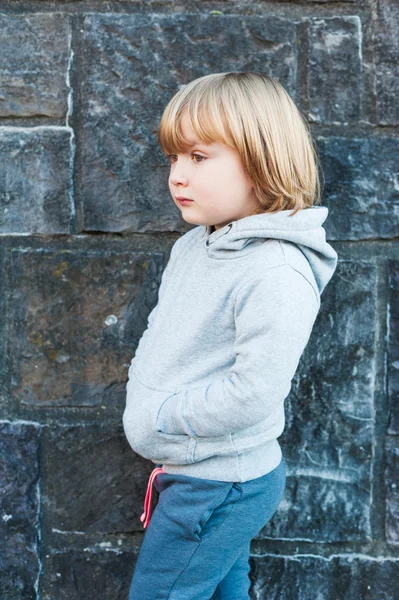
<point>274,317</point>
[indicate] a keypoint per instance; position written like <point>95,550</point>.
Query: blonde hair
<point>253,114</point>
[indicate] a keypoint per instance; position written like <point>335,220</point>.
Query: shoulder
<point>278,299</point>
<point>276,254</point>
<point>281,283</point>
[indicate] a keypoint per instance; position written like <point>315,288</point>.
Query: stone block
<point>95,572</point>
<point>35,181</point>
<point>360,187</point>
<point>93,482</point>
<point>393,346</point>
<point>75,319</point>
<point>392,487</point>
<point>386,61</point>
<point>311,577</point>
<point>20,505</point>
<point>334,69</point>
<point>34,62</point>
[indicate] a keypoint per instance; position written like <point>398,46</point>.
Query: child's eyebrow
<point>198,143</point>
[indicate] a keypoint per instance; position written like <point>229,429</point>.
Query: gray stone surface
<point>75,318</point>
<point>337,577</point>
<point>334,69</point>
<point>132,65</point>
<point>392,486</point>
<point>360,187</point>
<point>393,347</point>
<point>330,417</point>
<point>82,90</point>
<point>34,60</point>
<point>19,510</point>
<point>96,573</point>
<point>35,180</point>
<point>386,58</point>
<point>92,481</point>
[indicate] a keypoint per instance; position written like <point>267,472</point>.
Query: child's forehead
<point>189,141</point>
<point>194,130</point>
<point>199,144</point>
<point>188,134</point>
<point>191,136</point>
<point>194,142</point>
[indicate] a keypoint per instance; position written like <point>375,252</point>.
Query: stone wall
<point>86,227</point>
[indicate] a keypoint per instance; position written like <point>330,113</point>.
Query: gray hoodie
<point>236,306</point>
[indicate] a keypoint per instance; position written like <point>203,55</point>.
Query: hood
<point>304,229</point>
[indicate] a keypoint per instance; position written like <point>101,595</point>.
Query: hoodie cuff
<point>170,416</point>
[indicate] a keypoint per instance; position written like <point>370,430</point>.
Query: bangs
<point>206,114</point>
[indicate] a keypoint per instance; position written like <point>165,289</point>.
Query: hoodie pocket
<point>139,424</point>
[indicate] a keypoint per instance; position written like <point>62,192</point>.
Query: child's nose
<point>178,177</point>
<point>178,174</point>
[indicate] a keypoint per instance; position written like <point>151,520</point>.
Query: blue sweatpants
<point>197,544</point>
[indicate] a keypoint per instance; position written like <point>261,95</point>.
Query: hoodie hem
<point>237,468</point>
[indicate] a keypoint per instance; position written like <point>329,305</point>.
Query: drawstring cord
<point>148,497</point>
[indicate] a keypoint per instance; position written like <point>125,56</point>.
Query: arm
<point>274,316</point>
<point>174,253</point>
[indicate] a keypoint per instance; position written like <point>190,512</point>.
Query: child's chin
<point>190,219</point>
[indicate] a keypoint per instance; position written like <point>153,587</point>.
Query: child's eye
<point>171,158</point>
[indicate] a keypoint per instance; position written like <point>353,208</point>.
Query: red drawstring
<point>147,502</point>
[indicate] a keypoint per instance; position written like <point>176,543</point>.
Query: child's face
<point>214,178</point>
